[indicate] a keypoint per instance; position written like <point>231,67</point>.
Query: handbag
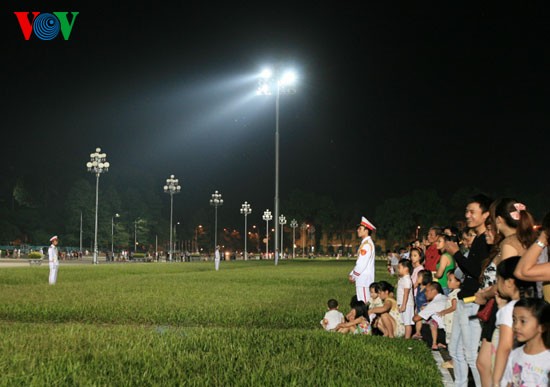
<point>484,314</point>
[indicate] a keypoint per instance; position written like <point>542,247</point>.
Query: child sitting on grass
<point>424,277</point>
<point>332,317</point>
<point>375,302</point>
<point>430,314</point>
<point>358,322</point>
<point>388,317</point>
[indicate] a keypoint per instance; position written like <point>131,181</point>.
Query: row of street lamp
<point>267,85</point>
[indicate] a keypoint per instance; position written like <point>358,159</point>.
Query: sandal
<point>441,346</point>
<point>417,336</point>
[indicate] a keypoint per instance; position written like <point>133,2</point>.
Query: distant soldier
<point>53,259</point>
<point>363,272</point>
<point>217,258</point>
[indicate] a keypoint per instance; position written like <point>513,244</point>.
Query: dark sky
<point>390,98</point>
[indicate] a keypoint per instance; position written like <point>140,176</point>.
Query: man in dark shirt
<point>466,331</point>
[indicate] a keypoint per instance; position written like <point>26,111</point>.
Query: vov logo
<point>46,26</point>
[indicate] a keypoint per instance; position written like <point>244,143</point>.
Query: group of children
<point>424,306</point>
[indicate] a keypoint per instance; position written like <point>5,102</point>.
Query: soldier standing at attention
<point>363,272</point>
<point>53,259</point>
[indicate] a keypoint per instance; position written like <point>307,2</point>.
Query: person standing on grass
<point>466,333</point>
<point>53,259</point>
<point>363,272</point>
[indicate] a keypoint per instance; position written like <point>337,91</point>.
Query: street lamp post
<point>282,222</point>
<point>267,217</point>
<point>176,237</point>
<point>304,227</point>
<point>197,238</point>
<point>97,165</point>
<point>293,224</point>
<point>245,210</point>
<point>216,201</point>
<point>172,187</point>
<point>282,85</point>
<point>113,235</point>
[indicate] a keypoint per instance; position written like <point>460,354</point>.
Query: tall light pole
<point>282,222</point>
<point>135,234</point>
<point>293,224</point>
<point>279,84</point>
<point>216,201</point>
<point>97,165</point>
<point>113,235</point>
<point>176,237</point>
<point>245,210</point>
<point>197,238</point>
<point>304,227</point>
<point>172,187</point>
<point>267,217</point>
<point>81,233</point>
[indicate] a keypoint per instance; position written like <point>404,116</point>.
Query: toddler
<point>333,316</point>
<point>423,278</point>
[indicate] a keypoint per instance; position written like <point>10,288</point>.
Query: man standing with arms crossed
<point>53,259</point>
<point>363,272</point>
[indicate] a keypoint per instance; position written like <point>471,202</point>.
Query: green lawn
<point>249,324</point>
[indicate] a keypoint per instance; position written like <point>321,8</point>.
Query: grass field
<point>157,324</point>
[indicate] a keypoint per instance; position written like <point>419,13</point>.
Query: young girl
<point>509,291</point>
<point>389,320</point>
<point>375,302</point>
<point>417,259</point>
<point>529,365</point>
<point>357,323</point>
<point>424,278</point>
<point>405,298</point>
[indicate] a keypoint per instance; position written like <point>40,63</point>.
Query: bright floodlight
<point>288,78</point>
<point>266,73</point>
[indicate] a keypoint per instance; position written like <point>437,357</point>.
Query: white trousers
<point>217,263</point>
<point>53,272</point>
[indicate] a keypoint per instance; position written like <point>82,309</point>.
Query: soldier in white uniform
<point>363,272</point>
<point>53,259</point>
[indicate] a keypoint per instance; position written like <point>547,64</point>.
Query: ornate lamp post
<point>293,224</point>
<point>216,201</point>
<point>267,217</point>
<point>282,222</point>
<point>172,187</point>
<point>113,235</point>
<point>245,210</point>
<point>280,83</point>
<point>97,165</point>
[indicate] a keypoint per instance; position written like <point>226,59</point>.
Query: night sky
<point>389,99</point>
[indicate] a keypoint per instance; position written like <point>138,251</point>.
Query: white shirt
<point>403,283</point>
<point>333,317</point>
<point>526,370</point>
<point>435,306</point>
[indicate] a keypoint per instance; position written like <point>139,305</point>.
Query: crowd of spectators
<point>482,292</point>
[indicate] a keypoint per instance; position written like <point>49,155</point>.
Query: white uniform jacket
<point>363,272</point>
<point>52,254</point>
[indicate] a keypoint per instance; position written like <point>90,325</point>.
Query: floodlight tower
<point>276,83</point>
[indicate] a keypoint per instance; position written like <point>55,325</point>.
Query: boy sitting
<point>433,327</point>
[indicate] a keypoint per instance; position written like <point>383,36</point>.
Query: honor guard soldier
<point>363,272</point>
<point>53,260</point>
